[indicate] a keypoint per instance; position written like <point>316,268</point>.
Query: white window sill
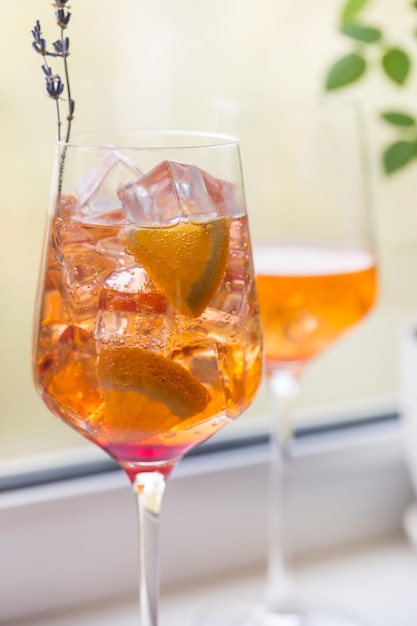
<point>372,583</point>
<point>73,543</point>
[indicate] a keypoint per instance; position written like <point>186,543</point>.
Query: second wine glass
<point>317,278</point>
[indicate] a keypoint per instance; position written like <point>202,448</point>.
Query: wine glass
<point>317,278</point>
<point>147,336</point>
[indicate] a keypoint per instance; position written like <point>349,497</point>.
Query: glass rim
<point>187,139</point>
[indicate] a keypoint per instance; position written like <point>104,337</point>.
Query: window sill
<point>73,543</point>
<point>370,582</point>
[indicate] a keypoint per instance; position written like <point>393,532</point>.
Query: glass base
<point>259,616</point>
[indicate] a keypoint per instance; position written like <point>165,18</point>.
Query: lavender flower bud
<point>62,17</point>
<point>38,44</point>
<point>54,86</point>
<point>61,47</point>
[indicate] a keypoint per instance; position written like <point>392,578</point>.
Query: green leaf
<point>366,34</point>
<point>351,9</point>
<point>398,155</point>
<point>396,118</point>
<point>345,71</point>
<point>414,4</point>
<point>396,64</point>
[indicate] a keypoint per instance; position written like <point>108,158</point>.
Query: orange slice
<point>126,416</point>
<point>153,376</point>
<point>185,261</point>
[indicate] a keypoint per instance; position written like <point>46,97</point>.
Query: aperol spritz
<point>309,295</point>
<point>317,280</point>
<point>147,335</point>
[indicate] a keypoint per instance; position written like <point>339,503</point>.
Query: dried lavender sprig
<point>61,47</point>
<point>54,84</point>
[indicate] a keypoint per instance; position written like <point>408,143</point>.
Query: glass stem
<point>283,387</point>
<point>149,488</point>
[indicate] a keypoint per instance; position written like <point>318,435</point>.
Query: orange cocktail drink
<point>148,340</point>
<point>309,296</point>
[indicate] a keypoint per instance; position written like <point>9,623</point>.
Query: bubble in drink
<point>172,190</point>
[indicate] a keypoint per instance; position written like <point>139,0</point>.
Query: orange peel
<point>185,261</point>
<point>131,369</point>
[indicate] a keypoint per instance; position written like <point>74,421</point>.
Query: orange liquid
<point>309,296</point>
<point>99,313</point>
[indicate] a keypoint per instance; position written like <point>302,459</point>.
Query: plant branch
<point>54,85</point>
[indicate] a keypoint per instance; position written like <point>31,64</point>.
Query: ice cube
<point>85,269</point>
<point>111,217</point>
<point>96,190</point>
<point>68,374</point>
<point>71,211</point>
<point>86,254</point>
<point>231,296</point>
<point>72,229</point>
<point>172,190</point>
<point>132,310</point>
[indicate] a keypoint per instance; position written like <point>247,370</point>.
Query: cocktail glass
<point>147,336</point>
<point>317,278</point>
